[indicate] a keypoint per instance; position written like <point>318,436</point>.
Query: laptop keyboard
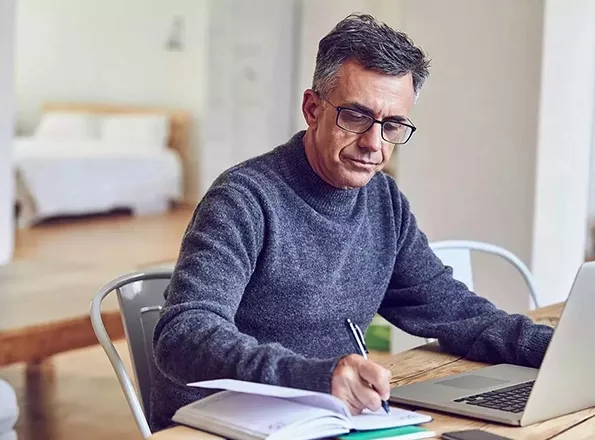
<point>510,399</point>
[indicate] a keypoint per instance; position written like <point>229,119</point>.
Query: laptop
<point>521,396</point>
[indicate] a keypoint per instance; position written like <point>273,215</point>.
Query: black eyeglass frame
<point>374,121</point>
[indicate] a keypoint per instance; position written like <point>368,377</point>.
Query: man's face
<point>348,160</point>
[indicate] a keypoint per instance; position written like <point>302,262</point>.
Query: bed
<point>86,159</point>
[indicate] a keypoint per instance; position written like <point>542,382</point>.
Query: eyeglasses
<point>354,121</point>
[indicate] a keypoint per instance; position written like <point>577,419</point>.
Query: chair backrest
<point>460,262</point>
<point>457,255</point>
<point>141,297</point>
<point>140,306</point>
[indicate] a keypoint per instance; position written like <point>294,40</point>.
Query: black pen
<point>360,345</point>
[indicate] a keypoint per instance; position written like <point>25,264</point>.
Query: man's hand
<point>353,379</point>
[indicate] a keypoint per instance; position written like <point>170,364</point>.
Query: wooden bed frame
<point>180,121</point>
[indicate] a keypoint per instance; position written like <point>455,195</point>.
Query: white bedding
<point>88,176</point>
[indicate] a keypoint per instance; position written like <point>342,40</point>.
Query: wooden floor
<point>76,395</point>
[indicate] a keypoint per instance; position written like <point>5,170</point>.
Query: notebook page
<point>251,412</point>
<point>379,419</point>
<point>252,388</point>
<point>321,400</point>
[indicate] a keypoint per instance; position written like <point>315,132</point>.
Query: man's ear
<point>311,107</point>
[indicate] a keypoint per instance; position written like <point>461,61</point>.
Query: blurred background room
<point>117,115</point>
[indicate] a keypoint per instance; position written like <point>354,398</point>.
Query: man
<point>285,247</point>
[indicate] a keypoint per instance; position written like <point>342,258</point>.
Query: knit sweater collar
<point>300,175</point>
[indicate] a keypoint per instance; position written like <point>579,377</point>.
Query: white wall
<point>6,128</point>
<point>592,183</point>
<point>567,116</point>
<point>251,73</point>
<point>590,239</point>
<point>469,170</point>
<point>111,51</point>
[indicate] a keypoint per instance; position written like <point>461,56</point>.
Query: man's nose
<point>371,139</point>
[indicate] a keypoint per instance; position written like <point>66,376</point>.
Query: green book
<point>402,433</point>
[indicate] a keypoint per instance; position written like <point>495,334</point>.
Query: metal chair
<point>140,297</point>
<point>457,254</point>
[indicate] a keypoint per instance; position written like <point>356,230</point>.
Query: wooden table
<point>46,291</point>
<point>44,310</point>
<point>428,362</point>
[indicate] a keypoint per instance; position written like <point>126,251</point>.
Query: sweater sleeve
<point>196,338</point>
<point>425,300</point>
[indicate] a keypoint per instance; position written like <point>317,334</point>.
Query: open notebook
<point>247,411</point>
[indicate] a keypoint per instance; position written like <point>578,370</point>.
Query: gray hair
<point>374,45</point>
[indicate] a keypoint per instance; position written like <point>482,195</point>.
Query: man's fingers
<point>344,375</point>
<point>376,376</point>
<point>360,383</point>
<point>353,403</point>
<point>366,396</point>
<point>343,389</point>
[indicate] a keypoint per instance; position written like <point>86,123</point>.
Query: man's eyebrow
<point>368,111</point>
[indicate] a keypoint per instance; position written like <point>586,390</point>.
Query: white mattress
<point>78,177</point>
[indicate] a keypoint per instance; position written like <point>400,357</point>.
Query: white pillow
<point>136,130</point>
<point>57,125</point>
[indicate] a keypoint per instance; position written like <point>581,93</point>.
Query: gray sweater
<point>273,262</point>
